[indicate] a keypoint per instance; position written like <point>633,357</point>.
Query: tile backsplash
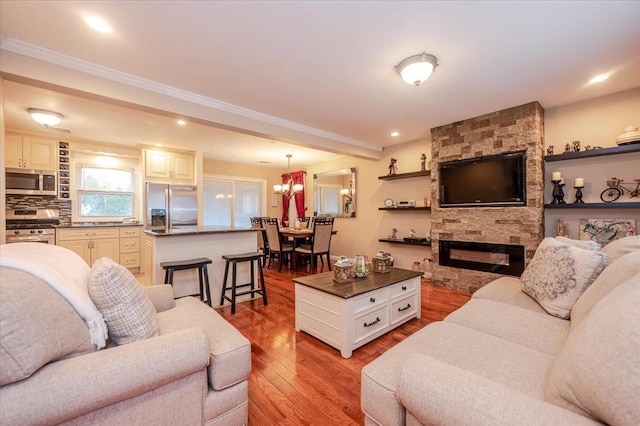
<point>41,202</point>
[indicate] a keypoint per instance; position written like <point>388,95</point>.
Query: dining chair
<point>277,247</point>
<point>320,244</point>
<point>304,221</point>
<point>263,245</point>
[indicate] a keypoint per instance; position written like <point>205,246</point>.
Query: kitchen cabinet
<point>130,247</point>
<point>91,243</point>
<point>26,152</point>
<point>148,256</point>
<point>169,166</point>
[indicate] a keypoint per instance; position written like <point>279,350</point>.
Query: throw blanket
<point>64,271</point>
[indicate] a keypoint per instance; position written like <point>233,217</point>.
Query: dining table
<point>299,235</point>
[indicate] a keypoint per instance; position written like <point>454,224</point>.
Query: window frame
<point>234,180</point>
<point>77,215</point>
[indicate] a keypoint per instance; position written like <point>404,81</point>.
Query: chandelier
<point>288,189</point>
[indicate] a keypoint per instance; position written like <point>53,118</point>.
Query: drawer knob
<point>375,321</point>
<point>404,288</point>
<point>405,308</point>
<point>372,300</point>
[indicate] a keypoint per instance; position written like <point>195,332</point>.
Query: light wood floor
<point>298,380</point>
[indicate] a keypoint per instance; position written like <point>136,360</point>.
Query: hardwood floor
<point>298,380</point>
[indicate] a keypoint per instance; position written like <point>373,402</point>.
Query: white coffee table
<point>349,315</point>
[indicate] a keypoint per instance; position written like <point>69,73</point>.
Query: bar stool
<point>182,265</point>
<point>235,259</point>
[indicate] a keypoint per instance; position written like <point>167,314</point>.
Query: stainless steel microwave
<point>31,182</point>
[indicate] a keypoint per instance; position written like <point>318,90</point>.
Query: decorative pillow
<point>612,276</point>
<point>37,326</point>
<point>620,247</point>
<point>597,372</point>
<point>126,308</point>
<point>583,244</point>
<point>559,273</point>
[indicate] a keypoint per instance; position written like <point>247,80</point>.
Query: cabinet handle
<point>375,321</point>
<point>372,300</point>
<point>20,162</point>
<point>404,288</point>
<point>405,308</point>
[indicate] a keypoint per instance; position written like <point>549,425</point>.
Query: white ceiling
<point>318,74</point>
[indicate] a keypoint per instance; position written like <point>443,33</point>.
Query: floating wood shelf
<point>593,206</point>
<point>404,208</point>
<point>389,240</point>
<point>624,149</point>
<point>421,173</point>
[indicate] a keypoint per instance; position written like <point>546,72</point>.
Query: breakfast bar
<point>211,242</point>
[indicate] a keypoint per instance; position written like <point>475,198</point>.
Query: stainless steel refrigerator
<point>171,206</point>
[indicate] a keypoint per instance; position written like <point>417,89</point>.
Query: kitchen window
<point>105,192</point>
<point>231,202</point>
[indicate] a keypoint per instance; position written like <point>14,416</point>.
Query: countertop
<point>96,225</point>
<point>198,231</point>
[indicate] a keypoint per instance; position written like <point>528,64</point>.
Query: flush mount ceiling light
<point>44,117</point>
<point>417,68</point>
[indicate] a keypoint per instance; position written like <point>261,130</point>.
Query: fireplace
<point>504,259</point>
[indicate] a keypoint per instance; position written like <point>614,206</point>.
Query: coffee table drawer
<point>400,289</point>
<point>371,323</point>
<point>403,308</point>
<point>371,299</point>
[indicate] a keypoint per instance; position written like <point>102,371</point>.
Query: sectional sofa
<point>166,361</point>
<point>551,347</point>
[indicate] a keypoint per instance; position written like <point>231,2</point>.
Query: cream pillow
<point>126,308</point>
<point>612,276</point>
<point>559,273</point>
<point>597,372</point>
<point>620,247</point>
<point>583,244</point>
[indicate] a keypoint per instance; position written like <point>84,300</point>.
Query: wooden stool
<point>181,265</point>
<point>235,259</point>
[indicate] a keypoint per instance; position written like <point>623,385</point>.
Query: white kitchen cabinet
<point>22,152</point>
<point>91,243</point>
<point>130,247</point>
<point>169,166</point>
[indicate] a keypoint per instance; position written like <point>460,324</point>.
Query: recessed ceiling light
<point>599,78</point>
<point>158,144</point>
<point>395,134</point>
<point>98,24</point>
<point>182,122</point>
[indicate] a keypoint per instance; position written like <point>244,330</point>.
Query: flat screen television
<point>493,181</point>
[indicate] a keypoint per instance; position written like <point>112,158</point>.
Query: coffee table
<point>349,315</point>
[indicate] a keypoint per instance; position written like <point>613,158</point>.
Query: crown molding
<point>37,52</point>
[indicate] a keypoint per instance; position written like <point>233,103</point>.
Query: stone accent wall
<point>514,129</point>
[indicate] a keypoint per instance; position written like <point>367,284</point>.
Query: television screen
<point>485,181</point>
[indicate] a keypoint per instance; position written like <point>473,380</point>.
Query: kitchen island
<point>191,243</point>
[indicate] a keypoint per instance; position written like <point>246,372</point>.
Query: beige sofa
<point>194,372</point>
<point>502,359</point>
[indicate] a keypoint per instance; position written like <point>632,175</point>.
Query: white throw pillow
<point>126,308</point>
<point>559,273</point>
<point>597,372</point>
<point>620,247</point>
<point>583,244</point>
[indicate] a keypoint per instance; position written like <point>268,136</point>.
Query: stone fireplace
<point>514,129</point>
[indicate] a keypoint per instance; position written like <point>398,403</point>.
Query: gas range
<point>32,225</point>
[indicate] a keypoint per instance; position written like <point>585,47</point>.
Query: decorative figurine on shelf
<point>587,148</point>
<point>423,162</point>
<point>393,236</point>
<point>412,233</point>
<point>576,146</point>
<point>567,148</point>
<point>561,228</point>
<point>550,150</point>
<point>558,183</point>
<point>578,184</point>
<point>392,166</point>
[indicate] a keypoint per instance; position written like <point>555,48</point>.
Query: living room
<point>594,116</point>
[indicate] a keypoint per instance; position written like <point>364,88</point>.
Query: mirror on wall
<point>335,193</point>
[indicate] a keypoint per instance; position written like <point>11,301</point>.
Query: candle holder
<point>578,194</point>
<point>558,194</point>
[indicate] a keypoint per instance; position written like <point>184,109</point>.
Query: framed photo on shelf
<point>603,231</point>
